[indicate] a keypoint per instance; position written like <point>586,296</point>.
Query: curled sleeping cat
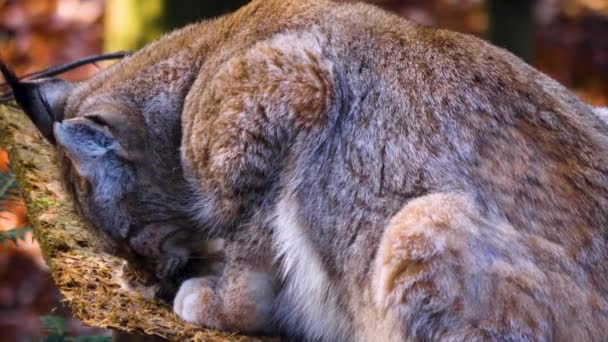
<point>372,179</point>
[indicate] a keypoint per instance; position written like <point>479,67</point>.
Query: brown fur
<point>373,179</point>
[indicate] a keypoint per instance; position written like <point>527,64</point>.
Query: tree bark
<point>87,277</point>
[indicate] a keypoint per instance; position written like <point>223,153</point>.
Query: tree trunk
<point>130,24</point>
<point>511,25</point>
<point>87,277</point>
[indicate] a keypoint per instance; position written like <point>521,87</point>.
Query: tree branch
<point>87,277</point>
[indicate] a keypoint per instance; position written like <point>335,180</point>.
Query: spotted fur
<point>372,179</point>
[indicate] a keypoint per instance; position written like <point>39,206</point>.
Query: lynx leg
<point>239,301</point>
<point>444,272</point>
<point>410,269</point>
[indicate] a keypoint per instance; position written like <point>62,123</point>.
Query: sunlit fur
<point>372,179</point>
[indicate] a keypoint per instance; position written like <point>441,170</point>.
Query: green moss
<point>44,203</point>
<point>87,277</point>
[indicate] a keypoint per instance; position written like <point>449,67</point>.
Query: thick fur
<point>373,179</point>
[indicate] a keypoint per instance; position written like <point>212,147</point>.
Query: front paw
<point>196,302</point>
<point>241,302</point>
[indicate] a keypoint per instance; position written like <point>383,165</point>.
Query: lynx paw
<point>240,302</point>
<point>197,303</point>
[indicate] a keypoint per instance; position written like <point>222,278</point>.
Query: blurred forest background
<point>568,39</point>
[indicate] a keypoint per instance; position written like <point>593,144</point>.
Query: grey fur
<point>373,179</point>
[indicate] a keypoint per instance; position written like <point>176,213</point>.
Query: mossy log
<point>87,277</point>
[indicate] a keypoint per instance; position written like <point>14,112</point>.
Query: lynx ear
<point>42,100</point>
<point>95,154</point>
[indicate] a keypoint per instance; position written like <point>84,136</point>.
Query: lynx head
<point>130,199</point>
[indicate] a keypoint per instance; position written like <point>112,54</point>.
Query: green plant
<point>56,328</point>
<point>14,234</point>
<point>9,195</point>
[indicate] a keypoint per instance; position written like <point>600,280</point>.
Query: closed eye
<point>97,119</point>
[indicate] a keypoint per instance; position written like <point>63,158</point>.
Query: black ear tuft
<point>41,100</point>
<point>20,91</point>
<point>9,76</point>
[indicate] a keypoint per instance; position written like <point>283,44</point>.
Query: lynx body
<point>373,179</point>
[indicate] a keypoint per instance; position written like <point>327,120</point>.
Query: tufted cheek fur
<point>101,177</point>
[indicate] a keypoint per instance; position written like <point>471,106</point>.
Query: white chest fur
<point>309,303</point>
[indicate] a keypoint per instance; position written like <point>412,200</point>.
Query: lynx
<point>372,179</point>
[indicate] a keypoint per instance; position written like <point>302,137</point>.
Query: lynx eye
<point>97,119</point>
